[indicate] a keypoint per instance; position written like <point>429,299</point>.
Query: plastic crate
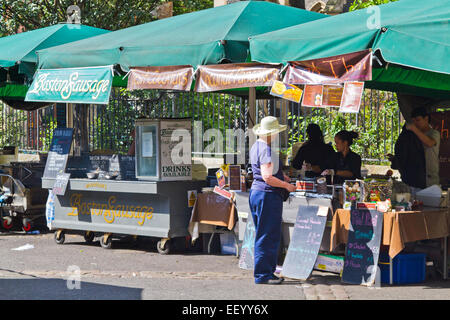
<point>407,268</point>
<point>227,244</point>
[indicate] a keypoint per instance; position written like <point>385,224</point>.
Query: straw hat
<point>268,126</point>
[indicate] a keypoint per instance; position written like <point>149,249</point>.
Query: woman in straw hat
<point>266,200</point>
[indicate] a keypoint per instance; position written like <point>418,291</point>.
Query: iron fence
<point>110,126</point>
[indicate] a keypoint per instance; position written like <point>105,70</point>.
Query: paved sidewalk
<point>136,271</point>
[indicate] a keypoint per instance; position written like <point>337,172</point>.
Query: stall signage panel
<point>363,247</point>
<point>176,159</point>
<point>246,259</point>
<point>286,91</point>
<point>305,243</point>
<point>239,75</point>
<point>72,85</point>
<point>356,66</point>
<point>168,77</point>
<point>351,97</point>
<point>60,186</point>
<point>440,121</point>
<point>59,152</point>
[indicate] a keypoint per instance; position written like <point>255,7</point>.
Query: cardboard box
<point>329,263</point>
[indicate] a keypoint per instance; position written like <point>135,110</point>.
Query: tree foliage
<point>362,4</point>
<point>105,14</point>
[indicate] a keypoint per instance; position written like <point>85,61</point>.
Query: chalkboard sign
<point>305,242</point>
<point>246,259</point>
<point>127,166</point>
<point>59,152</point>
<point>60,186</point>
<point>440,121</point>
<point>363,247</point>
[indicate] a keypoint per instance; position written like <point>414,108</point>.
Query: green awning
<point>208,36</point>
<point>22,47</point>
<point>411,38</point>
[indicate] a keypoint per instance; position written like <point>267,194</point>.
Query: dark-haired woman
<point>347,163</point>
<point>315,153</point>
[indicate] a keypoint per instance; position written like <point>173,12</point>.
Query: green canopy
<point>410,37</point>
<point>21,47</point>
<point>208,36</point>
<point>18,59</point>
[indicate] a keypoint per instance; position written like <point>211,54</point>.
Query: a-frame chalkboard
<point>363,247</point>
<point>305,242</point>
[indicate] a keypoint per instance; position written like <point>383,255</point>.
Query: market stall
<point>332,61</point>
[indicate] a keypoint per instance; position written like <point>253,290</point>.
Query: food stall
<point>141,195</point>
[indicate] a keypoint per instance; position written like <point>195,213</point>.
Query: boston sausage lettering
<point>110,210</point>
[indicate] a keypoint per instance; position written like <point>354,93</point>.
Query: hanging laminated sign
<point>332,96</point>
<point>90,85</point>
<point>167,77</point>
<point>312,96</point>
<point>235,75</point>
<point>286,91</point>
<point>351,97</point>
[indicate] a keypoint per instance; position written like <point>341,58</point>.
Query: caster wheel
<point>60,237</point>
<point>26,225</point>
<point>7,223</point>
<point>165,249</point>
<point>106,241</point>
<point>89,236</point>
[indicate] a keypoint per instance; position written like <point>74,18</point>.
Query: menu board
<point>312,96</point>
<point>234,176</point>
<point>305,242</point>
<point>246,259</point>
<point>363,247</point>
<point>58,152</point>
<point>440,121</point>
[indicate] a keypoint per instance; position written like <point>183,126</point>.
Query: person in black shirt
<point>347,163</point>
<point>315,153</point>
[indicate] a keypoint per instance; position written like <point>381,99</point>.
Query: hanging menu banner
<point>363,247</point>
<point>356,66</point>
<point>72,85</point>
<point>305,242</point>
<point>167,77</point>
<point>58,153</point>
<point>238,75</point>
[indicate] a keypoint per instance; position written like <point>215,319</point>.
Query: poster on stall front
<point>332,96</point>
<point>312,96</point>
<point>351,97</point>
<point>286,91</point>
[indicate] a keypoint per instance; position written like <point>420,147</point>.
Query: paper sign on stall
<point>286,91</point>
<point>351,97</point>
<point>312,96</point>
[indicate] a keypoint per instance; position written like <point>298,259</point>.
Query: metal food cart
<point>153,204</point>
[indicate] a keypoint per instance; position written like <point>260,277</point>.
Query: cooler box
<point>407,268</point>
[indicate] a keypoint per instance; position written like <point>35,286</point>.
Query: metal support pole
<point>391,271</point>
<point>445,271</point>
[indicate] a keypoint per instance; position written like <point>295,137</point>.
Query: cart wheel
<point>60,236</point>
<point>26,225</point>
<point>106,241</point>
<point>7,223</point>
<point>165,249</point>
<point>89,236</point>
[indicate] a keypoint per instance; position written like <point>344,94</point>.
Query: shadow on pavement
<point>57,289</point>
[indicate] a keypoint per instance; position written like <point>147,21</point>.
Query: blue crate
<point>227,244</point>
<point>407,268</point>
